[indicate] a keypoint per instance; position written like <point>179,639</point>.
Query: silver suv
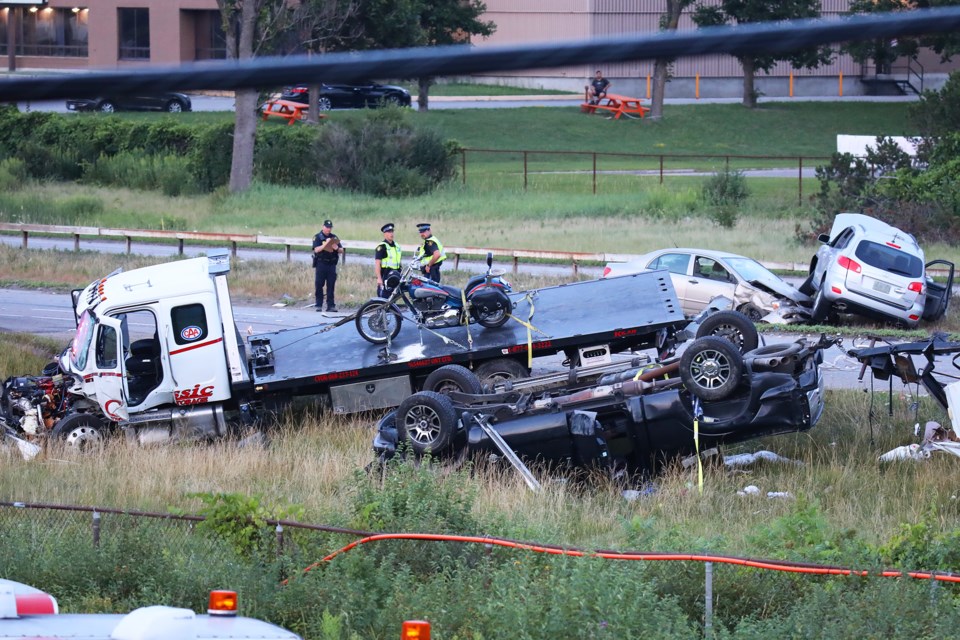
<point>870,268</point>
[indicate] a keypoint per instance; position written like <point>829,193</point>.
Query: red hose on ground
<point>770,565</point>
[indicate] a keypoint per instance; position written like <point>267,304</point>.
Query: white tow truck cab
<point>28,613</point>
<point>157,350</point>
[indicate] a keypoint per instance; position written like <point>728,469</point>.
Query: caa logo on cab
<point>191,333</point>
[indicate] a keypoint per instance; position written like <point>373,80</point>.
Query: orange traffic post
<point>648,86</point>
<point>791,84</point>
<point>415,630</point>
<point>697,87</point>
<point>841,84</point>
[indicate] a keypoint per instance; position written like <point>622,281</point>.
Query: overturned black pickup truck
<point>631,417</point>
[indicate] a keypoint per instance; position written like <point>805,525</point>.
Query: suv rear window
<point>889,259</point>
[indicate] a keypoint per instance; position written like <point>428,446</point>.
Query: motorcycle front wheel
<point>378,321</point>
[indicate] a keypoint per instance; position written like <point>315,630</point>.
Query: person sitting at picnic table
<point>597,88</point>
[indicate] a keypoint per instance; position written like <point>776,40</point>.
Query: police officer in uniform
<point>430,253</point>
<point>326,254</point>
<point>387,258</point>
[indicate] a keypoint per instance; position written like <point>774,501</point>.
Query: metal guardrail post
<point>576,269</point>
<point>279,531</point>
<point>288,251</point>
<point>661,168</point>
<point>594,173</point>
<point>800,182</point>
<point>23,242</point>
<point>516,264</point>
<point>129,244</point>
<point>463,165</point>
<point>180,247</point>
<point>456,261</point>
<point>233,248</point>
<point>76,242</point>
<point>708,601</point>
<point>96,530</point>
<point>524,170</point>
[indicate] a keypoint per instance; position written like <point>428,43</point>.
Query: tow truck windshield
<point>81,341</point>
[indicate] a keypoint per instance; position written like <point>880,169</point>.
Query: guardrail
<point>574,259</point>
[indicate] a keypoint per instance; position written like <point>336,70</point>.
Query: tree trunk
<point>423,93</point>
<point>661,70</point>
<point>313,98</point>
<point>245,124</point>
<point>749,94</point>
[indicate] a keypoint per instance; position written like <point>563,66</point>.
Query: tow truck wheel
<point>80,432</point>
<point>732,325</point>
<point>452,377</point>
<point>376,320</point>
<point>500,370</point>
<point>711,368</point>
<point>427,420</point>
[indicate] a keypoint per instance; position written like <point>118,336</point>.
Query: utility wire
<point>266,72</point>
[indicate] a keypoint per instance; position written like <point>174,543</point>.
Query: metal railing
<point>574,259</point>
<point>644,164</point>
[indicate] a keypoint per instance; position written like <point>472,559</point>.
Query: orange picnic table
<point>287,109</point>
<point>617,106</point>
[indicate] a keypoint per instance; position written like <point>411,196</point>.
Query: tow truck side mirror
<point>823,238</point>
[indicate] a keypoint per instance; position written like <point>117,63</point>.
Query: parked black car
<point>636,420</point>
<point>170,102</point>
<point>350,96</point>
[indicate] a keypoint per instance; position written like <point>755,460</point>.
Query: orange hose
<point>770,565</point>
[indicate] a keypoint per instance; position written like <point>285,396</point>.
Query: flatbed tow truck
<point>157,354</point>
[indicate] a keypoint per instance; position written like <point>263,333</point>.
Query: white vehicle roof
<point>877,228</point>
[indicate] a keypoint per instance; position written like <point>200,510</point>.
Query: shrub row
<point>381,154</point>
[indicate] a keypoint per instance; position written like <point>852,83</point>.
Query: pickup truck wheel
<point>733,326</point>
<point>452,377</point>
<point>711,368</point>
<point>428,421</point>
<point>81,432</point>
<point>501,369</point>
<point>377,320</point>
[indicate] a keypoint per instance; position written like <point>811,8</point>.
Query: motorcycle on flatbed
<point>484,300</point>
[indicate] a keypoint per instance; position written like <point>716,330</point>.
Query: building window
<point>210,38</point>
<point>134,34</point>
<point>48,32</point>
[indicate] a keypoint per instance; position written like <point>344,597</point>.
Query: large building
<point>67,34</point>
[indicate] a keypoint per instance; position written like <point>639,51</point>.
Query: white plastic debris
<point>749,490</point>
<point>779,494</point>
<point>27,450</point>
<point>745,459</point>
<point>906,452</point>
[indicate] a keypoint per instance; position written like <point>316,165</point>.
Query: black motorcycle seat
<point>452,291</point>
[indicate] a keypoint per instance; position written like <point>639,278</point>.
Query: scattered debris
<point>746,459</point>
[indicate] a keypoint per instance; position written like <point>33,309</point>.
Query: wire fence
<point>597,171</point>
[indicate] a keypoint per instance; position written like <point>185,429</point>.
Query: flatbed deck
<point>624,313</point>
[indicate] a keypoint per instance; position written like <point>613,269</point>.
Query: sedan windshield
<point>752,271</point>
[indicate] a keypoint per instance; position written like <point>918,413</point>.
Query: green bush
<point>211,156</point>
<point>13,173</point>
<point>134,170</point>
<point>383,154</point>
<point>284,155</point>
<point>724,191</point>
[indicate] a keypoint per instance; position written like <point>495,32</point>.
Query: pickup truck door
<point>108,374</point>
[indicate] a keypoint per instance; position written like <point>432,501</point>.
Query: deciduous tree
<point>754,11</point>
<point>661,67</point>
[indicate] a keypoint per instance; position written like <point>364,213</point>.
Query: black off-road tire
<point>428,421</point>
<point>453,377</point>
<point>499,370</point>
<point>732,326</point>
<point>711,368</point>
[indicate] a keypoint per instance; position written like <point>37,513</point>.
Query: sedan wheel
<point>106,107</point>
<point>174,106</point>
<point>324,104</point>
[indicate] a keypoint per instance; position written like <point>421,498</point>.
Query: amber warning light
<point>415,630</point>
<point>222,603</point>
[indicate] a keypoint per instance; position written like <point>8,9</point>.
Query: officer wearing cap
<point>326,254</point>
<point>387,257</point>
<point>430,253</point>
